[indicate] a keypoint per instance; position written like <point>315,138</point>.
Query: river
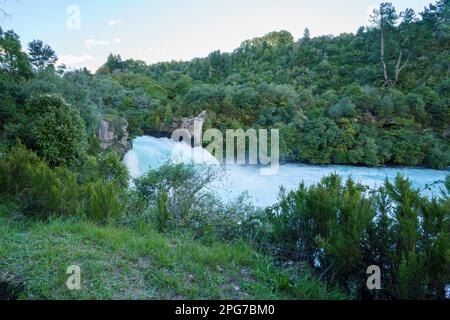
<point>149,153</point>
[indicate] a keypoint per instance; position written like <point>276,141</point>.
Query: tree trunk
<point>399,68</point>
<point>387,81</point>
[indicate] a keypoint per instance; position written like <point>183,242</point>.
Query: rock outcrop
<point>113,132</point>
<point>114,135</point>
<point>194,126</point>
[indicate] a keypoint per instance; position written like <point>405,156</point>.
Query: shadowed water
<point>150,153</point>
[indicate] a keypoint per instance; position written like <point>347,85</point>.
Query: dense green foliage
<point>330,85</point>
<point>179,192</point>
<point>181,196</point>
<point>53,129</point>
<point>340,230</point>
<point>380,96</point>
<point>32,193</point>
<point>335,86</point>
<point>43,192</point>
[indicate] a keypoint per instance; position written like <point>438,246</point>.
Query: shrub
<point>163,213</point>
<point>42,191</point>
<point>102,201</point>
<point>186,187</point>
<point>112,170</point>
<point>57,130</point>
<point>179,196</point>
<point>341,230</point>
<point>344,108</point>
<point>233,220</point>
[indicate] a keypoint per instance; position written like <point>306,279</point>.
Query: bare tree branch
<point>3,13</point>
<point>383,63</point>
<point>399,67</point>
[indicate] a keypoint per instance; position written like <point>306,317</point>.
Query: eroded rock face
<point>194,126</point>
<point>114,135</point>
<point>105,135</point>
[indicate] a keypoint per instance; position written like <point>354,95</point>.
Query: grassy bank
<point>122,263</point>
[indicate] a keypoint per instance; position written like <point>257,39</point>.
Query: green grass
<point>123,263</point>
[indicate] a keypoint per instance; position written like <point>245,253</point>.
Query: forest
<point>377,97</point>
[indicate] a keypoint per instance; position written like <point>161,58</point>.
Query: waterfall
<point>150,153</point>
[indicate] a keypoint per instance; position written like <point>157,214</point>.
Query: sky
<point>84,32</point>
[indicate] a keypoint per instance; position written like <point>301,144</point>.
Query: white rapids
<point>150,153</point>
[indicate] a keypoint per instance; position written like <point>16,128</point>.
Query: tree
<point>306,35</point>
<point>408,16</point>
<point>57,131</point>
<point>318,140</point>
<point>345,108</point>
<point>385,19</point>
<point>113,63</point>
<point>42,56</point>
<point>12,59</point>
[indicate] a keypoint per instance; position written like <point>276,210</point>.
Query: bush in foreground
<point>43,192</point>
<point>341,230</point>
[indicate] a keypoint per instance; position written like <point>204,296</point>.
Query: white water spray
<point>150,153</point>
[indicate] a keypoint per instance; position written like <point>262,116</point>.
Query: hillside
<point>380,96</point>
<point>377,97</point>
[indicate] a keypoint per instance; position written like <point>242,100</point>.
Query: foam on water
<point>150,153</point>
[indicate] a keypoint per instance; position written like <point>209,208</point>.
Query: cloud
<point>114,23</point>
<point>74,60</point>
<point>92,42</point>
<point>117,41</point>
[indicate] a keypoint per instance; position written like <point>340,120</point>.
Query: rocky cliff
<point>183,123</point>
<point>194,126</point>
<point>113,131</point>
<point>113,135</point>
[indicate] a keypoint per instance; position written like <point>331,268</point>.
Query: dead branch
<point>383,63</point>
<point>399,67</point>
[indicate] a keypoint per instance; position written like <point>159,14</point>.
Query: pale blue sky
<point>164,30</point>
